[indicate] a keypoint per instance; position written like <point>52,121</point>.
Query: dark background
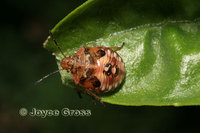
<point>24,26</point>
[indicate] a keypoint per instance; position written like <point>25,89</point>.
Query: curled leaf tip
<point>46,41</point>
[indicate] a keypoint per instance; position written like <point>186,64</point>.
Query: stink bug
<point>95,69</point>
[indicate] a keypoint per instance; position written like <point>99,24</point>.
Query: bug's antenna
<point>56,44</point>
<point>46,76</point>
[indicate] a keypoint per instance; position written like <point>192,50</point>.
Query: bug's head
<point>67,63</point>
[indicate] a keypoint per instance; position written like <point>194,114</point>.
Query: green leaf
<point>161,52</point>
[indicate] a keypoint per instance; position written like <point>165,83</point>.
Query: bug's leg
<point>93,101</point>
<point>118,48</point>
<point>79,94</point>
<point>78,91</point>
<point>93,95</point>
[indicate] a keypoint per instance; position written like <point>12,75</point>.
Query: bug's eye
<point>100,53</point>
<point>97,83</point>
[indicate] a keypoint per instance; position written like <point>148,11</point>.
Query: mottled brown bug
<point>95,69</point>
